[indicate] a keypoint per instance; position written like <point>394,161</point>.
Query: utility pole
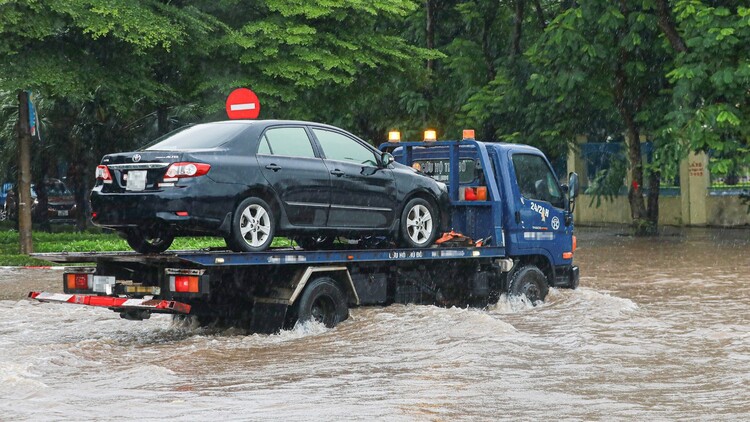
<point>24,173</point>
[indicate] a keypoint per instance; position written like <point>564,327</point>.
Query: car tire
<point>149,240</point>
<point>528,281</point>
<point>253,226</point>
<point>322,301</point>
<point>419,224</point>
<point>314,243</point>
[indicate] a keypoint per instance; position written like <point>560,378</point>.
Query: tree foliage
<point>111,74</point>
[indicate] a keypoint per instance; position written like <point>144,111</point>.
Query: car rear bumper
<point>178,209</point>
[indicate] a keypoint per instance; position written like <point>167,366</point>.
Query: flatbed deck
<point>224,258</point>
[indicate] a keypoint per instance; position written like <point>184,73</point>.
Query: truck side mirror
<point>572,191</point>
<point>573,185</point>
<point>386,158</point>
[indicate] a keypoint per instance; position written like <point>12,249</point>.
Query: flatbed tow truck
<point>514,216</point>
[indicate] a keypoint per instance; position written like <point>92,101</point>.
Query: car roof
<point>273,122</point>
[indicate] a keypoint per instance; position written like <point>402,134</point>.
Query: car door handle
<point>273,167</point>
<point>337,172</point>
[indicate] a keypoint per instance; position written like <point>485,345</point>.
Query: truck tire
<point>322,301</point>
<point>528,281</point>
<point>253,226</point>
<point>149,240</point>
<point>419,224</point>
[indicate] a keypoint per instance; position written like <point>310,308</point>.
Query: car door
<point>363,193</point>
<point>301,180</point>
<point>539,211</point>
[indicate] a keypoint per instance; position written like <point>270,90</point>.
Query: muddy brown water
<point>659,329</point>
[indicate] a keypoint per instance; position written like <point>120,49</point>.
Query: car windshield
<point>57,189</point>
<point>205,136</point>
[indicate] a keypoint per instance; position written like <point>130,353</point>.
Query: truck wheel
<point>313,243</point>
<point>324,302</point>
<point>418,224</point>
<point>529,281</point>
<point>150,240</point>
<point>253,226</point>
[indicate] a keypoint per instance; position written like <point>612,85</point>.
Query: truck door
<point>288,162</point>
<point>539,206</point>
<point>363,194</point>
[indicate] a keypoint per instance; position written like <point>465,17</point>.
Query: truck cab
<point>504,195</point>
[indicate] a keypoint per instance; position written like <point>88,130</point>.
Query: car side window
<point>287,141</point>
<point>343,148</point>
<point>536,180</point>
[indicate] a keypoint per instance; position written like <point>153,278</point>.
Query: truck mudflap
<point>117,304</point>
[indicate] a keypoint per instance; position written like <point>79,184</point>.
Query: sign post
<point>242,103</point>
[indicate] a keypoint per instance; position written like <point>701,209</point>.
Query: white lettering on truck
<point>544,212</point>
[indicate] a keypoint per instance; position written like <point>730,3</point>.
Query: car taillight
<point>102,173</point>
<point>182,170</point>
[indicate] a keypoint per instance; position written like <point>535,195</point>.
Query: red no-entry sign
<point>243,104</point>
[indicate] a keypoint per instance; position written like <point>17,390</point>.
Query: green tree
<point>711,77</point>
<point>611,59</point>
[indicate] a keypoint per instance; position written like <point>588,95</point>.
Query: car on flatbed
<point>248,181</point>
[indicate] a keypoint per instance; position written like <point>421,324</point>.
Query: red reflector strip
<point>567,255</point>
<point>182,213</point>
<point>113,302</point>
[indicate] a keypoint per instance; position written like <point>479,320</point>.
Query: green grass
<point>65,239</point>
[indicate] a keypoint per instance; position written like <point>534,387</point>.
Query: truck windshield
<point>536,180</point>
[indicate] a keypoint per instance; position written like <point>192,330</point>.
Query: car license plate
<point>62,213</point>
<point>136,180</point>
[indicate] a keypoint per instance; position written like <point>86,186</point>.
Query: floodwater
<point>659,329</point>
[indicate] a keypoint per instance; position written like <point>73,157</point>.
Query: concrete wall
<point>694,206</point>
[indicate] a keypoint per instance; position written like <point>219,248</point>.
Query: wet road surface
<point>659,329</point>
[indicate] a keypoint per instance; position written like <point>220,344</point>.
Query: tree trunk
<point>162,119</point>
<point>645,221</point>
<point>667,26</point>
<point>540,15</point>
<point>24,174</point>
<point>430,30</point>
<point>487,50</point>
<point>515,46</point>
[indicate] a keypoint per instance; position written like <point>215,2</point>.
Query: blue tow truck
<point>512,233</point>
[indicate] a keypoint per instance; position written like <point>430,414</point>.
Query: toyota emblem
<point>136,158</point>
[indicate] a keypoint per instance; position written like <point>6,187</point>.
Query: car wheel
<point>314,243</point>
<point>529,281</point>
<point>324,302</point>
<point>253,226</point>
<point>418,224</point>
<point>150,240</point>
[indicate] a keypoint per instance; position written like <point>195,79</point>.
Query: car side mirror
<point>386,158</point>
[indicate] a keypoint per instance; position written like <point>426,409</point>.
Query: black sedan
<point>249,180</point>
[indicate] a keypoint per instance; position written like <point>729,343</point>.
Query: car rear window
<point>204,136</point>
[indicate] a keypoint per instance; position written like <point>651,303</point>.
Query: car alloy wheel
<point>418,224</point>
<point>253,226</point>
